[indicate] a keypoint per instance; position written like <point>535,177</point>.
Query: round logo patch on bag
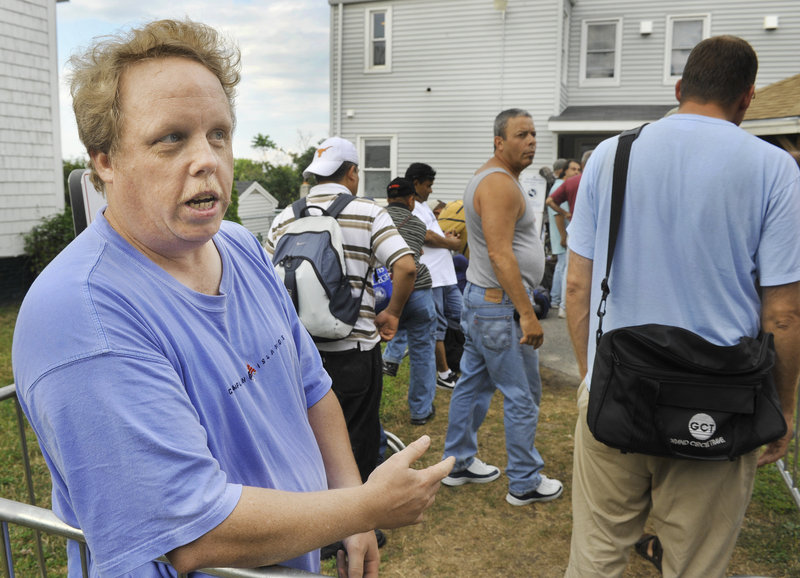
<point>702,426</point>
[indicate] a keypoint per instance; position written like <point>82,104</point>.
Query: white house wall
<point>474,64</point>
<point>642,64</point>
<point>31,184</point>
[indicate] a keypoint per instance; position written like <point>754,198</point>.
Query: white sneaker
<point>477,473</point>
<point>547,490</point>
<point>562,313</point>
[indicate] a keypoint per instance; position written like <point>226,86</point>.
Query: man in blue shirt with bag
<point>708,243</point>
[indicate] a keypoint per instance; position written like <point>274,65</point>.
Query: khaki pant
<point>695,507</point>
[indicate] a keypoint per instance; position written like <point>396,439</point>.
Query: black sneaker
<point>390,368</point>
<point>423,420</point>
<point>448,382</point>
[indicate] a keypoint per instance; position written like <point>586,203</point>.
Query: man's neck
<point>499,162</point>
<point>712,109</point>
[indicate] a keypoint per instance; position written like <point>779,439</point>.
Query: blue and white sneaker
<point>477,473</point>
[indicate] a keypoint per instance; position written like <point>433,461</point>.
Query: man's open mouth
<point>202,203</point>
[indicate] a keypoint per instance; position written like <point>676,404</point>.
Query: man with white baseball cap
<point>370,238</point>
<point>329,157</point>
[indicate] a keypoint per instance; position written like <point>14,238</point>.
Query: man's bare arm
<point>561,225</point>
<point>330,430</point>
<point>269,526</point>
<point>579,292</point>
<point>499,204</point>
<point>450,241</point>
<point>780,315</point>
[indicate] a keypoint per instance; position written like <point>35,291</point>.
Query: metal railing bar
<point>23,439</point>
<point>46,521</point>
<point>8,556</point>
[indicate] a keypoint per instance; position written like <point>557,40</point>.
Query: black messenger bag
<point>665,391</point>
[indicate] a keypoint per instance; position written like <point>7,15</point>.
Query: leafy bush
<point>47,240</point>
<point>232,212</point>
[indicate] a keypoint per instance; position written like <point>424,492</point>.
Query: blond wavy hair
<point>96,74</point>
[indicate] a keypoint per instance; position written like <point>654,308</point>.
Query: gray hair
<point>560,165</point>
<point>501,120</point>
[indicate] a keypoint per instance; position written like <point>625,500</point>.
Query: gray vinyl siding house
<point>31,180</point>
<point>421,80</point>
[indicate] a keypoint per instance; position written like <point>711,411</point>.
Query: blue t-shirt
<point>709,211</point>
<point>154,404</point>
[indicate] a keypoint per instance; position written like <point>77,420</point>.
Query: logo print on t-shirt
<point>250,371</point>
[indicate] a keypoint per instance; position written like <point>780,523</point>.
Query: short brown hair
<point>719,69</point>
<point>96,74</point>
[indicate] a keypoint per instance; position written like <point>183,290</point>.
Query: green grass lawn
<point>768,544</point>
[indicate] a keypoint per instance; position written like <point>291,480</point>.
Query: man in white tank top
<point>501,329</point>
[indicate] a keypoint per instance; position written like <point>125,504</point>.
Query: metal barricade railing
<point>789,467</point>
<point>44,521</point>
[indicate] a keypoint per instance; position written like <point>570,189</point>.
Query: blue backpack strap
<point>299,207</point>
<point>339,203</point>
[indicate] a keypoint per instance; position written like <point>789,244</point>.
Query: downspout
<point>338,107</point>
<point>503,60</point>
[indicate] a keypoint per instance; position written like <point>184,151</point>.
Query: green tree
<point>283,182</point>
<point>263,142</point>
<point>302,160</point>
<point>249,170</point>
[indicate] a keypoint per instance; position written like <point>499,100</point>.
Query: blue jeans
<point>559,281</point>
<point>448,300</point>
<point>393,353</point>
<point>418,322</point>
<point>494,359</point>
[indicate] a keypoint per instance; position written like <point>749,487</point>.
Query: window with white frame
<point>683,33</point>
<point>601,43</point>
<point>378,34</point>
<point>378,165</point>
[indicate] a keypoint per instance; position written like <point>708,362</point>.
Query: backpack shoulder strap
<point>339,203</point>
<point>299,208</point>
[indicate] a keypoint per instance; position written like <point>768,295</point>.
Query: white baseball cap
<point>330,155</point>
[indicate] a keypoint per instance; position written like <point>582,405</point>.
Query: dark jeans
<point>358,383</point>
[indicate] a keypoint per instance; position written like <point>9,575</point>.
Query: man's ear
<point>102,165</point>
<point>747,98</point>
<point>678,90</point>
<point>498,140</point>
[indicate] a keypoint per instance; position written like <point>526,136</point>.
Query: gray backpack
<point>309,258</point>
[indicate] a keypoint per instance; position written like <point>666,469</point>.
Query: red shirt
<point>568,191</point>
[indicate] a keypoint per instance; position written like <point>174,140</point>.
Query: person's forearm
<point>556,207</point>
<point>561,225</point>
<point>330,430</point>
<point>579,277</point>
<point>435,240</point>
<point>271,526</point>
<point>782,319</point>
<point>404,272</point>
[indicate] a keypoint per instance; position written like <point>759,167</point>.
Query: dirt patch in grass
<point>472,531</point>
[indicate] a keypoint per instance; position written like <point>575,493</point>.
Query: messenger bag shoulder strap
<point>618,184</point>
